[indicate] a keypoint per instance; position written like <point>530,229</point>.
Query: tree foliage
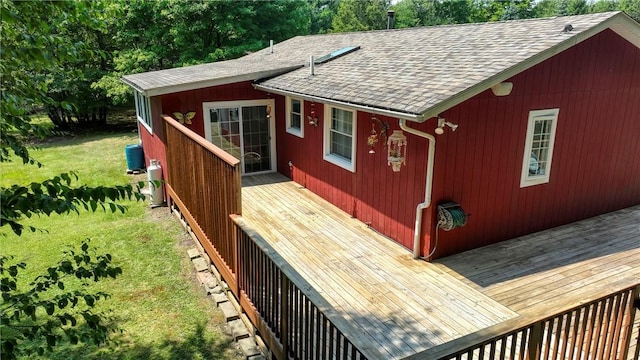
<point>322,14</point>
<point>411,13</point>
<point>155,35</point>
<point>357,15</point>
<point>37,47</point>
<point>56,306</point>
<point>56,195</point>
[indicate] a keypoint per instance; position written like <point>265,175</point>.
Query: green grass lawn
<point>157,301</point>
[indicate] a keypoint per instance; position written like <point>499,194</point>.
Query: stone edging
<point>239,326</point>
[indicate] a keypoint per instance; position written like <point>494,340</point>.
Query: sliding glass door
<point>243,129</point>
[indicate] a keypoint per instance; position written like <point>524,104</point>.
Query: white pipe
<point>311,65</point>
<point>428,184</point>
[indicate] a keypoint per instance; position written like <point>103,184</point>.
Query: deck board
<point>406,306</point>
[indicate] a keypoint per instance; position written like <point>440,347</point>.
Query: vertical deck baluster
<point>284,321</point>
<point>604,327</point>
<point>618,325</point>
<point>535,341</point>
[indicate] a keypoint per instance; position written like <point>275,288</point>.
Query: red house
<point>507,128</point>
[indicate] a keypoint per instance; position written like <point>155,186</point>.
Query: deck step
<point>193,253</point>
<point>200,264</point>
<point>229,311</point>
<point>219,298</point>
<point>207,280</point>
<point>238,329</point>
<point>249,348</point>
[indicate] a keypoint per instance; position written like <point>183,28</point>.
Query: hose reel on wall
<point>451,215</point>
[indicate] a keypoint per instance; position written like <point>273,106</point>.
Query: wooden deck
<point>405,306</point>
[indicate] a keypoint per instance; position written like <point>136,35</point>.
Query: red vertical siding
<point>373,193</point>
<point>596,160</point>
<point>153,142</point>
<point>596,85</point>
<point>192,100</point>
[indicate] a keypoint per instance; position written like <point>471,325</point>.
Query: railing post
<point>634,306</point>
<point>236,257</point>
<point>535,341</point>
<point>284,312</point>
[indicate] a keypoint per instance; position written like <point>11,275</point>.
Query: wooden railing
<point>295,321</point>
<point>205,183</point>
<point>603,329</point>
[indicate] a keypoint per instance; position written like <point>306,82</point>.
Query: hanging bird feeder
<point>396,150</point>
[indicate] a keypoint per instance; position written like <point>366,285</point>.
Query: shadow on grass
<point>199,344</point>
<point>72,139</point>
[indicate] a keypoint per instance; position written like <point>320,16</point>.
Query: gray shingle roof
<point>414,71</point>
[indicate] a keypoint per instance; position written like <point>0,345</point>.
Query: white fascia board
<point>344,104</point>
<point>169,89</point>
<point>620,23</point>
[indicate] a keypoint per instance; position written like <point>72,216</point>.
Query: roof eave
<point>620,23</point>
<point>345,104</point>
<point>169,89</point>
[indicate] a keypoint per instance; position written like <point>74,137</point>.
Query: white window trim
<point>525,178</point>
<point>147,123</point>
<point>292,130</point>
<point>335,159</point>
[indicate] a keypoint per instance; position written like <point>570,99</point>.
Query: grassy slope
<point>157,301</point>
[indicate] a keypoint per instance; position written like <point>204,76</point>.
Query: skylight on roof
<point>344,51</point>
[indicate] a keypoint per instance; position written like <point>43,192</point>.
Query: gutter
<point>345,104</point>
<point>428,184</point>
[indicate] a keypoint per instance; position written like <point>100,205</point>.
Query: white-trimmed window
<point>143,110</point>
<point>340,137</point>
<point>295,122</point>
<point>538,148</point>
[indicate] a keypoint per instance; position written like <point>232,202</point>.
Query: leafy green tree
<point>546,8</point>
<point>575,7</point>
<point>322,13</point>
<point>155,35</point>
<point>603,6</point>
<point>57,306</point>
<point>631,8</point>
<point>455,11</point>
<point>72,80</point>
<point>412,13</point>
<point>75,46</point>
<point>32,49</point>
<point>360,15</point>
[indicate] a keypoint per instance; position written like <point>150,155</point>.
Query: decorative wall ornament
<point>396,150</point>
<point>312,119</point>
<point>372,140</point>
<point>184,118</point>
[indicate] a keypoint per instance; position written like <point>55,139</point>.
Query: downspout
<point>428,184</point>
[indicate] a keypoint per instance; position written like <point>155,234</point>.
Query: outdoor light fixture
<point>396,150</point>
<point>502,89</point>
<point>441,124</point>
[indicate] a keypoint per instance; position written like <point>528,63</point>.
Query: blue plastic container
<point>135,157</point>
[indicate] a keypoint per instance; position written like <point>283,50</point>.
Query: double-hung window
<point>295,123</point>
<point>340,137</point>
<point>538,149</point>
<point>143,110</point>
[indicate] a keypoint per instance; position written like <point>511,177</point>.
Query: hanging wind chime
<point>372,140</point>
